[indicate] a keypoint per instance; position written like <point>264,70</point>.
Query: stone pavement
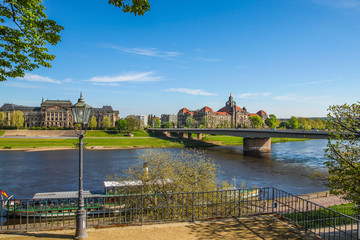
<point>257,227</point>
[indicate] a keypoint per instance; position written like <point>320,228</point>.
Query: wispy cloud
<point>37,78</point>
<point>316,82</point>
<point>190,91</point>
<point>241,67</point>
<point>152,52</point>
<point>208,59</point>
<point>347,4</point>
<point>253,95</point>
<point>299,98</point>
<point>127,77</point>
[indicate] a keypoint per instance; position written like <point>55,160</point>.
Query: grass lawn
<point>2,132</point>
<point>234,141</point>
<point>14,143</point>
<point>137,133</point>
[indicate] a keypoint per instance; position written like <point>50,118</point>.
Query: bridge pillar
<point>199,136</point>
<point>181,135</point>
<point>257,144</point>
<point>189,136</point>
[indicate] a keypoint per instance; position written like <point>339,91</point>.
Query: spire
<point>42,100</point>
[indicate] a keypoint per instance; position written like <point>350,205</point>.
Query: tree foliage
<point>26,31</point>
<point>93,122</point>
<point>3,119</point>
<point>167,125</point>
<point>343,151</point>
<point>132,123</point>
<point>256,121</point>
<point>292,123</point>
<point>190,121</point>
<point>271,121</point>
<point>120,125</point>
<point>17,119</point>
<point>186,171</point>
<point>157,123</point>
<point>106,122</point>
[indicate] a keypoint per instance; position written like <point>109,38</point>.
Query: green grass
<point>2,132</point>
<point>137,133</point>
<point>13,143</point>
<point>237,141</point>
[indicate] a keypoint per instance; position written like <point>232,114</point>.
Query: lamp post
<point>81,113</point>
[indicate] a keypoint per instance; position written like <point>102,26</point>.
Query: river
<point>287,167</point>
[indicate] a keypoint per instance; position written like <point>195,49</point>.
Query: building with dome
<point>229,116</point>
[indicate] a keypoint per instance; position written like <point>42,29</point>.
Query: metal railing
<point>25,214</point>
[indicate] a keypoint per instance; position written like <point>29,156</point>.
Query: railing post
<point>27,215</point>
<point>193,210</point>
<point>142,208</point>
<point>273,200</point>
<point>239,203</point>
<point>307,216</point>
<point>358,229</point>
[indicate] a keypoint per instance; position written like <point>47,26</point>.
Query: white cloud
<point>340,3</point>
<point>208,59</point>
<point>316,82</point>
<point>152,52</point>
<point>37,78</point>
<point>253,95</point>
<point>127,77</point>
<point>190,91</point>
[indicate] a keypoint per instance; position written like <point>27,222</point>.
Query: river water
<point>287,167</point>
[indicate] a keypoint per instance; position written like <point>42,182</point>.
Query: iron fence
<point>25,214</point>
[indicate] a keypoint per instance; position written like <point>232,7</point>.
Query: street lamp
<point>81,112</point>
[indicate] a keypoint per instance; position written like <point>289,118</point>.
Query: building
<point>143,120</point>
<point>56,113</point>
<point>229,116</point>
<point>172,118</point>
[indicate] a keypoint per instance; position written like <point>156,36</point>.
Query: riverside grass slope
<point>112,140</point>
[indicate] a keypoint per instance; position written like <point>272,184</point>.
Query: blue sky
<point>286,57</point>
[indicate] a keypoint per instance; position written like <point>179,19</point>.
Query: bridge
<point>254,139</point>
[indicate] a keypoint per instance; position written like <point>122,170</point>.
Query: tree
<point>150,120</point>
<point>271,121</point>
<point>132,123</point>
<point>17,119</point>
<point>190,121</point>
<point>106,122</point>
<point>120,125</point>
<point>186,171</point>
<point>343,151</point>
<point>157,123</point>
<point>93,123</point>
<point>26,30</point>
<point>292,123</point>
<point>304,123</point>
<point>167,125</point>
<point>256,121</point>
<point>3,120</point>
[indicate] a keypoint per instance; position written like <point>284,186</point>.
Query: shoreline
<point>43,149</point>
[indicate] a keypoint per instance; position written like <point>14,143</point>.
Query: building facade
<point>172,118</point>
<point>55,113</point>
<point>229,116</point>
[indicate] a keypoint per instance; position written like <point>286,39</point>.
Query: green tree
<point>271,121</point>
<point>343,151</point>
<point>3,120</point>
<point>120,125</point>
<point>166,125</point>
<point>304,123</point>
<point>186,171</point>
<point>292,123</point>
<point>190,121</point>
<point>157,123</point>
<point>132,123</point>
<point>106,122</point>
<point>256,121</point>
<point>93,123</point>
<point>17,119</point>
<point>150,120</point>
<point>26,31</point>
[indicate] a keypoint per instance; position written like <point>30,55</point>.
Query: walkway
<point>251,228</point>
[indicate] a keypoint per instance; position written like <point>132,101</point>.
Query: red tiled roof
<point>221,113</point>
<point>227,109</point>
<point>184,110</point>
<point>206,109</point>
<point>261,112</point>
<point>252,114</point>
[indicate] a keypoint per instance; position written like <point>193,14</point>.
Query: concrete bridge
<point>254,139</point>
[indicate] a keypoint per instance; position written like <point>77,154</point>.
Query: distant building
<point>55,113</point>
<point>230,116</point>
<point>143,120</point>
<point>172,118</point>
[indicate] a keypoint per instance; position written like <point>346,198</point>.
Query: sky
<point>286,57</point>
